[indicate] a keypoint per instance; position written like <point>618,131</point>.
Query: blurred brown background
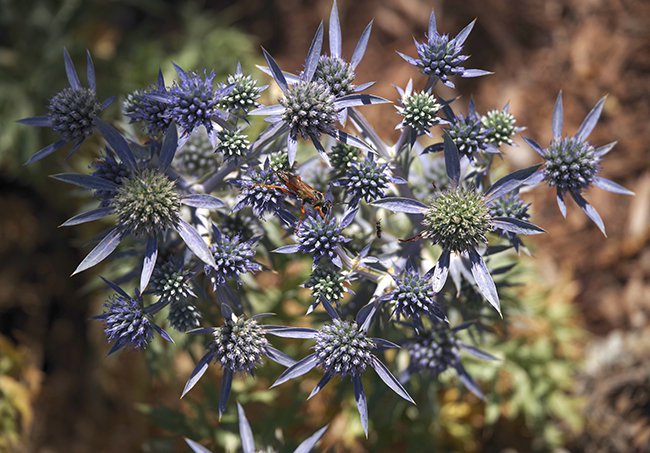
<point>587,48</point>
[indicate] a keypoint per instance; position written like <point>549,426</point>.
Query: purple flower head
<point>572,164</point>
<point>414,298</point>
<point>343,348</point>
<point>321,238</point>
<point>257,193</point>
<point>232,256</point>
<point>110,168</point>
<point>512,206</point>
<point>148,108</point>
<point>239,346</point>
<point>72,112</point>
<point>441,57</point>
<point>366,180</point>
<point>126,321</point>
<point>241,92</point>
<point>435,351</point>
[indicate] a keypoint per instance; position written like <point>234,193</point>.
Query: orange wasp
<point>296,187</point>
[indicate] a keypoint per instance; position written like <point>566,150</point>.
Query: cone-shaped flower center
<point>309,109</point>
<point>240,346</point>
<point>337,74</point>
<point>571,164</point>
<point>73,113</point>
<point>343,349</point>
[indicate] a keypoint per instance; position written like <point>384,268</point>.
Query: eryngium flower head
<point>336,73</point>
<point>243,95</point>
<point>279,161</point>
<point>500,126</point>
<point>321,237</point>
<point>326,281</point>
<point>194,101</point>
<point>468,134</point>
<point>183,316</point>
<point>126,323</point>
<point>196,157</point>
<point>256,193</point>
<point>73,112</point>
<point>342,156</point>
<point>414,297</point>
<point>232,144</point>
<point>241,224</point>
<point>171,283</point>
<point>510,205</point>
<point>365,180</point>
<point>419,111</point>
<point>309,109</point>
<point>342,348</point>
<point>146,107</point>
<point>233,258</point>
<point>441,56</point>
<point>147,203</point>
<point>434,353</point>
<point>240,345</point>
<point>571,164</point>
<point>111,169</point>
<point>458,220</point>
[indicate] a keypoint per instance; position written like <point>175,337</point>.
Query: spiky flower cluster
<point>126,323</point>
<point>570,164</point>
<point>279,161</point>
<point>510,205</point>
<point>433,353</point>
<point>441,57</point>
<point>320,237</point>
<point>366,180</point>
<point>309,109</point>
<point>144,106</point>
<point>233,257</point>
<point>243,95</point>
<point>419,111</point>
<point>342,157</point>
<point>196,157</point>
<point>468,134</point>
<point>342,348</point>
<point>239,346</point>
<point>458,220</point>
<point>336,73</point>
<point>256,193</point>
<point>500,126</point>
<point>414,297</point>
<point>233,144</point>
<point>326,281</point>
<point>183,316</point>
<point>171,282</point>
<point>194,101</point>
<point>147,203</point>
<point>73,112</point>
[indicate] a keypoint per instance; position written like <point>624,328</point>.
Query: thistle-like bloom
<point>241,92</point>
<point>342,157</point>
<point>501,126</point>
<point>183,316</point>
<point>459,219</point>
<point>194,102</point>
<point>418,109</point>
<point>325,281</point>
<point>72,112</point>
<point>343,348</point>
<point>232,256</point>
<point>259,191</point>
<point>441,57</point>
<point>110,168</point>
<point>320,237</point>
<point>510,205</point>
<point>239,347</point>
<point>171,282</point>
<point>233,144</point>
<point>196,158</point>
<point>146,107</point>
<point>309,108</point>
<point>414,298</point>
<point>366,180</point>
<point>437,350</point>
<point>572,164</point>
<point>127,322</point>
<point>147,205</point>
<point>248,442</point>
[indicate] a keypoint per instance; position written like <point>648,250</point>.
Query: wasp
<point>306,194</point>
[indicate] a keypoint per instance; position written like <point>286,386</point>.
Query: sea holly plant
<point>211,214</point>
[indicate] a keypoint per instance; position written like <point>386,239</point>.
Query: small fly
<point>378,228</point>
